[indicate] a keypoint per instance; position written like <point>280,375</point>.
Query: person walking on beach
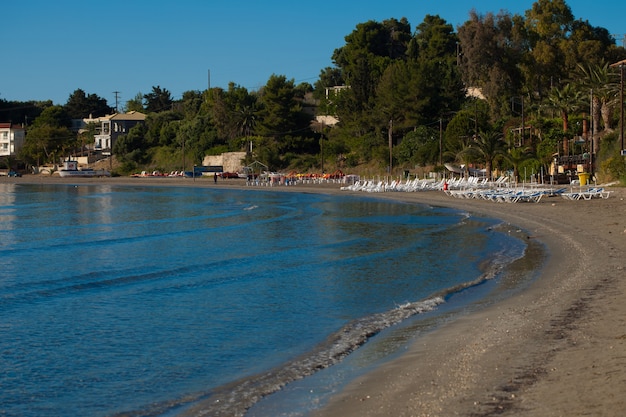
<point>215,177</point>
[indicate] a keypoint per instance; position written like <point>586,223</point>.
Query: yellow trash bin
<point>583,177</point>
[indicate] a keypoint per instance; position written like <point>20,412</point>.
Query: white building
<point>11,139</point>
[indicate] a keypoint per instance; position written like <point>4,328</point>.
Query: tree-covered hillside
<point>500,91</point>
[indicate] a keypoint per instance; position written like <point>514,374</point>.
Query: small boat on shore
<point>70,169</point>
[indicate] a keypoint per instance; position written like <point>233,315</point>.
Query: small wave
<point>236,398</point>
<point>251,207</point>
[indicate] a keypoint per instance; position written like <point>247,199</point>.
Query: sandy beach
<point>555,349</point>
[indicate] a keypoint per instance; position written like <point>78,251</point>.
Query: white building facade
<point>11,139</point>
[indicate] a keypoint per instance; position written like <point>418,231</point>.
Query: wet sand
<point>555,349</point>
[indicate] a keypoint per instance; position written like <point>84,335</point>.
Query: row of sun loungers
<point>508,195</point>
<point>588,194</point>
<point>512,195</point>
<point>417,184</point>
<point>382,186</point>
<point>497,191</point>
<point>503,195</point>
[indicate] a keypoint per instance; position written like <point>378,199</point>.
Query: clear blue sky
<point>52,48</point>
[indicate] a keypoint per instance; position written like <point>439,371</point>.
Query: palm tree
<point>246,120</point>
<point>600,81</point>
<point>488,146</point>
<point>594,78</point>
<point>610,96</point>
<point>515,157</point>
<point>566,100</point>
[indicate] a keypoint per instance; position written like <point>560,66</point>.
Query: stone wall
<point>231,161</point>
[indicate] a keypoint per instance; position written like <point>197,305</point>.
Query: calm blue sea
<point>131,300</point>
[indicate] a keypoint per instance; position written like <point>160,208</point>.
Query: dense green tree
<point>279,111</point>
<point>281,119</point>
<point>434,40</point>
<point>435,75</point>
<point>465,124</point>
<point>587,44</point>
<point>22,112</point>
<point>132,146</point>
<point>195,137</point>
<point>389,92</point>
<point>160,99</point>
<point>548,23</point>
<point>54,116</point>
<point>39,146</point>
<point>233,111</point>
<point>135,103</point>
<point>49,137</point>
<point>491,51</point>
<point>161,128</point>
<point>80,106</point>
<point>190,104</point>
<point>46,143</point>
<point>368,51</point>
<point>222,111</point>
<point>418,147</point>
<point>394,96</point>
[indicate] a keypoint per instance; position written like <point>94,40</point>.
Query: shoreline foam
<point>557,348</point>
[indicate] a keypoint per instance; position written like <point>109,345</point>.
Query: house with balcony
<point>113,126</point>
<point>11,139</point>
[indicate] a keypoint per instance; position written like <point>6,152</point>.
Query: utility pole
<point>390,144</point>
<point>440,141</point>
<point>620,65</point>
<point>476,119</point>
<point>592,147</point>
<point>523,127</point>
<point>116,100</point>
<point>322,147</point>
